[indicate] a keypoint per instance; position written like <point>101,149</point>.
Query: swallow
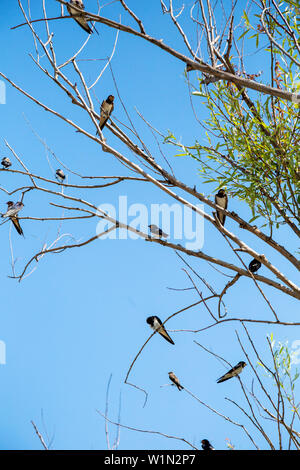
<point>189,68</point>
<point>80,19</point>
<point>175,381</point>
<point>60,175</point>
<point>12,211</point>
<point>157,231</point>
<point>221,199</point>
<point>254,265</point>
<point>209,79</point>
<point>106,109</point>
<point>6,163</point>
<point>206,445</point>
<point>232,372</point>
<point>156,325</point>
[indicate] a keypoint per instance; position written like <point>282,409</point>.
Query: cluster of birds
<point>221,199</point>
<point>157,325</point>
<point>6,163</point>
<point>106,109</point>
<point>107,106</point>
<point>14,208</point>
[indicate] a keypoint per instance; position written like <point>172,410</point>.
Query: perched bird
<point>106,109</point>
<point>156,325</point>
<point>189,68</point>
<point>157,231</point>
<point>175,380</point>
<point>206,445</point>
<point>232,372</point>
<point>60,175</point>
<point>254,265</point>
<point>12,211</point>
<point>221,199</point>
<point>209,79</point>
<point>80,19</point>
<point>6,163</point>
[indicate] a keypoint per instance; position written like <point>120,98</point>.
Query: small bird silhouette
<point>156,325</point>
<point>254,265</point>
<point>206,445</point>
<point>175,381</point>
<point>60,175</point>
<point>221,199</point>
<point>80,19</point>
<point>157,231</point>
<point>107,107</point>
<point>232,372</point>
<point>12,211</point>
<point>6,163</point>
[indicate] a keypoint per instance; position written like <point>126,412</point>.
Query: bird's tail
<point>222,379</point>
<point>94,27</point>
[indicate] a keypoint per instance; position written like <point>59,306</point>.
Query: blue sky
<point>80,317</point>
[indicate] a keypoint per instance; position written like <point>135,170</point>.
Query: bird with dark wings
<point>155,230</point>
<point>107,107</point>
<point>156,325</point>
<point>254,265</point>
<point>236,370</point>
<point>12,213</point>
<point>206,445</point>
<point>6,163</point>
<point>221,199</point>
<point>175,381</point>
<point>60,175</point>
<point>80,19</point>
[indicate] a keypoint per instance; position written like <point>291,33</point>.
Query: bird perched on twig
<point>106,108</point>
<point>221,199</point>
<point>206,445</point>
<point>157,231</point>
<point>156,325</point>
<point>236,370</point>
<point>209,79</point>
<point>6,163</point>
<point>254,265</point>
<point>175,381</point>
<point>80,19</point>
<point>12,211</point>
<point>60,175</point>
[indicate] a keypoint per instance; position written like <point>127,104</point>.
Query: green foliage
<point>253,143</point>
<point>286,371</point>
